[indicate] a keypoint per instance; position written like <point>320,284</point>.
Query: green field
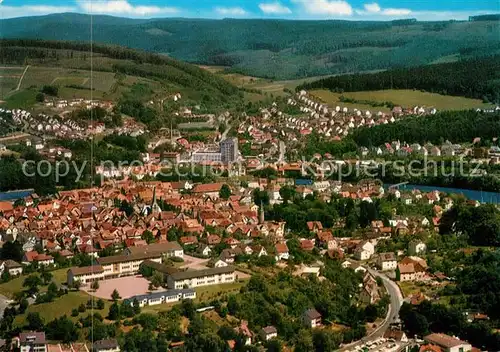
<point>9,78</point>
<point>405,98</point>
<point>59,307</point>
<point>16,285</point>
<point>72,83</point>
<point>23,99</point>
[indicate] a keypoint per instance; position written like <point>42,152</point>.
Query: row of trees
<point>425,318</point>
<point>461,126</point>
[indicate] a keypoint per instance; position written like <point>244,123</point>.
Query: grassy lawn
<point>24,99</point>
<point>332,100</point>
<point>16,285</point>
<point>61,306</point>
<point>208,293</point>
<point>405,98</point>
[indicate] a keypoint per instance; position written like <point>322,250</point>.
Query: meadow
<point>402,97</point>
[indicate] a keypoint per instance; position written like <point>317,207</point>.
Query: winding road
<point>392,314</point>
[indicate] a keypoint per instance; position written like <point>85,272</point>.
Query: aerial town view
<point>249,175</point>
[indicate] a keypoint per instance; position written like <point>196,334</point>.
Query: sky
<point>284,9</point>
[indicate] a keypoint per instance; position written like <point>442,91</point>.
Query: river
<point>15,195</point>
<point>481,196</point>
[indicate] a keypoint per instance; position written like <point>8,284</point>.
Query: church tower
<point>155,208</point>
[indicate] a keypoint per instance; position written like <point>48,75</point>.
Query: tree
<point>304,341</point>
<point>94,285</point>
<point>324,340</point>
<point>23,305</point>
<point>225,192</point>
<point>157,279</point>
<point>114,312</point>
<point>148,236</point>
<point>100,304</point>
<point>40,97</point>
<point>77,284</point>
<point>188,308</point>
<point>50,90</point>
<point>62,329</point>
<point>52,290</point>
<point>12,250</point>
<point>136,306</point>
<point>31,283</point>
<point>287,193</point>
<point>273,345</point>
<point>46,277</point>
<point>35,322</point>
<point>115,296</point>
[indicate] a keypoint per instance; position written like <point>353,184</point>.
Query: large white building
<point>448,343</point>
<point>205,277</point>
<point>167,249</point>
<point>126,264</point>
<point>169,296</point>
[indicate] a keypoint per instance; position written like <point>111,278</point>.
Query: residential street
<point>396,302</point>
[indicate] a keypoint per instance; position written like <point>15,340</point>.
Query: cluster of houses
<point>78,103</point>
<point>36,341</point>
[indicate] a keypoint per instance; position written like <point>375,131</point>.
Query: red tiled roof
<point>281,248</point>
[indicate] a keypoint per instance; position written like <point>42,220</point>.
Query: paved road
<point>282,150</point>
<point>224,134</point>
<point>396,302</point>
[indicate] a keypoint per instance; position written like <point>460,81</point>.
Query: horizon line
<point>250,18</point>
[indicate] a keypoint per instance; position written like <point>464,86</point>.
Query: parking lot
<point>379,345</point>
<point>127,287</point>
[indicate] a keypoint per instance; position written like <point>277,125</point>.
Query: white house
<point>107,345</point>
<point>268,333</point>
<point>448,343</point>
<point>311,318</point>
<point>281,252</point>
<point>387,261</point>
<point>364,250</point>
<point>416,247</point>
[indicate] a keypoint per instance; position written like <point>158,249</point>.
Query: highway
<point>392,314</point>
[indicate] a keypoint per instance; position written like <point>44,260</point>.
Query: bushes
<point>50,90</point>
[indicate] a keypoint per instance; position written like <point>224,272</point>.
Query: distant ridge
<point>278,49</point>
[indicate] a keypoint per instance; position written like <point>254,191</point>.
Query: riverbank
<point>481,196</point>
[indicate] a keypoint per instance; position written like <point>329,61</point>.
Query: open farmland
<point>9,78</point>
<point>402,97</point>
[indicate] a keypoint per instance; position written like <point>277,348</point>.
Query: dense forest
<point>456,127</point>
<point>478,78</point>
<point>277,48</point>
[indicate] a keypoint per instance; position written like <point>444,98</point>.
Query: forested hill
<point>277,48</point>
<point>478,78</point>
<point>117,59</point>
<point>456,127</point>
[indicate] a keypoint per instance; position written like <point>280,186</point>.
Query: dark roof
<point>444,340</point>
<point>312,314</point>
<point>167,293</point>
<point>191,274</point>
<point>162,268</point>
<point>127,258</point>
<point>32,337</point>
<point>86,270</point>
<point>389,256</point>
<point>270,330</point>
<point>9,263</point>
<point>155,248</point>
<point>105,344</point>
